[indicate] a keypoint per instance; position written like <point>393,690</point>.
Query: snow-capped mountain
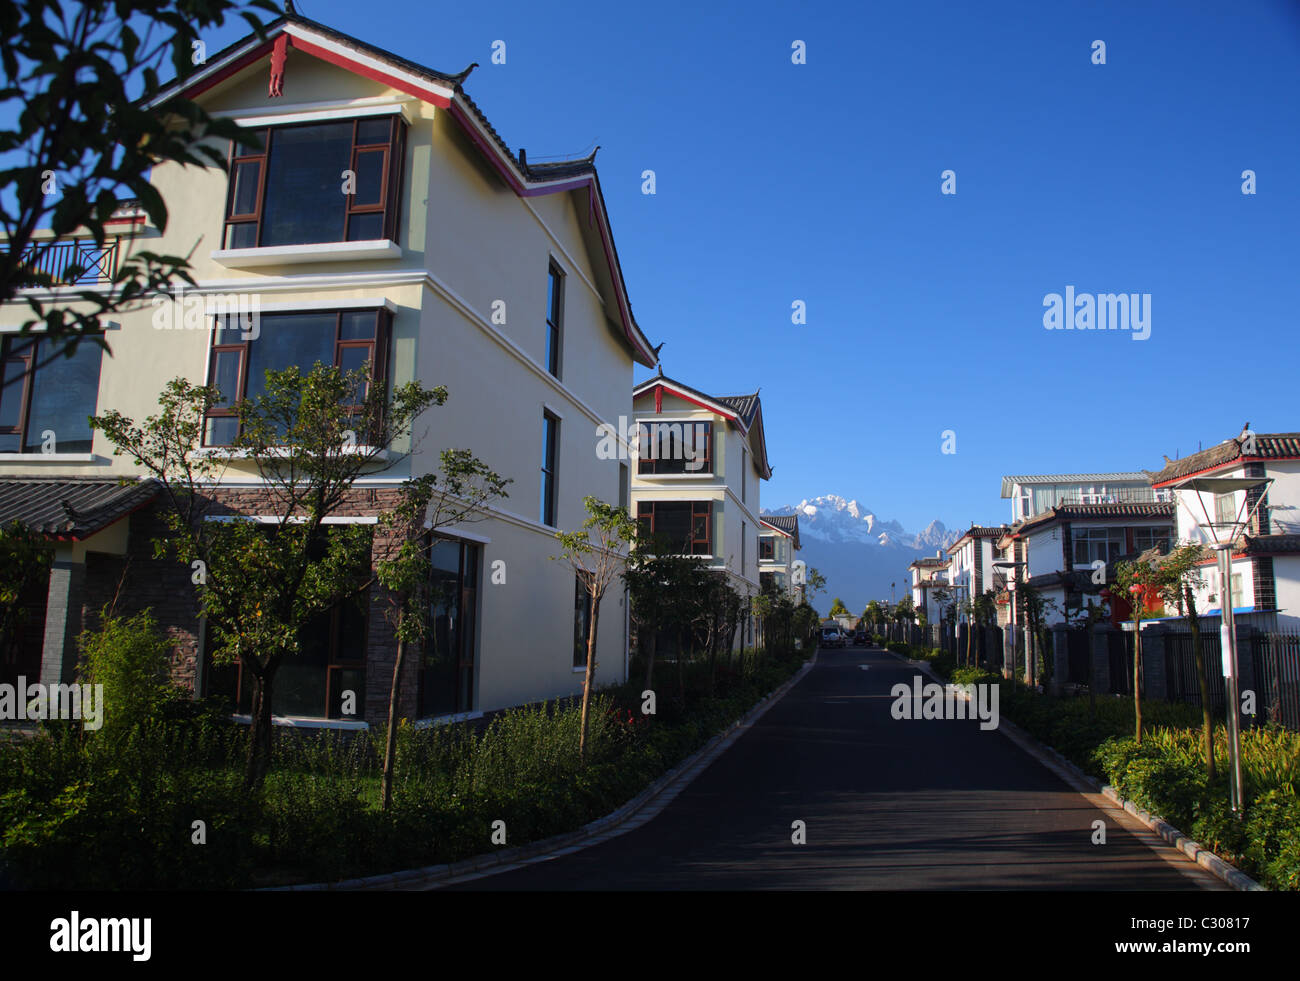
<point>859,553</point>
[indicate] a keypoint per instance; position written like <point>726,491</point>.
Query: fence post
<point>1060,658</point>
<point>1247,680</point>
<point>1100,654</point>
<point>1155,673</point>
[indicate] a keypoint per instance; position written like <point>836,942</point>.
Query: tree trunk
<point>1203,680</point>
<point>1137,680</point>
<point>258,760</point>
<point>390,740</point>
<point>969,632</point>
<point>591,673</point>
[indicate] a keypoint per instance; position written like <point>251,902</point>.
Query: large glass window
<point>766,549</point>
<point>57,398</point>
<point>447,673</point>
<point>581,623</point>
<point>1091,544</point>
<point>675,448</point>
<point>686,526</point>
<point>554,313</point>
<point>317,182</point>
<point>550,452</point>
<point>1145,538</point>
<point>325,677</point>
<point>346,339</point>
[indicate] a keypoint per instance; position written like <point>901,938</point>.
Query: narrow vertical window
<point>622,485</point>
<point>554,313</point>
<point>550,450</point>
<point>581,623</point>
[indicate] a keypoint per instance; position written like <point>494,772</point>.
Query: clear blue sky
<point>821,182</point>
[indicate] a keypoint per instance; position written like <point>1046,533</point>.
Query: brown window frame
<point>699,509</point>
<point>652,465</point>
<point>378,348</point>
<point>389,199</point>
<point>23,384</point>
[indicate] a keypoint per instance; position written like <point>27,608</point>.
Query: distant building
<point>1265,566</point>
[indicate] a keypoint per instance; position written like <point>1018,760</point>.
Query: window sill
<point>307,722</point>
<point>225,453</point>
<point>47,457</point>
<point>693,475</point>
<point>442,720</point>
<point>285,255</point>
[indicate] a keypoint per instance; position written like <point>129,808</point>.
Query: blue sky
<point>820,182</point>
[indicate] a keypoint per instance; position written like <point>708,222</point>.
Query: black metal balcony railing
<point>77,262</point>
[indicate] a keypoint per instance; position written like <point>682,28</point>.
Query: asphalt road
<point>887,804</point>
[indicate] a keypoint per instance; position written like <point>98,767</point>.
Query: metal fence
<point>77,262</point>
<point>1277,677</point>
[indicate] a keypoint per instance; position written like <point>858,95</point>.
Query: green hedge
<point>1166,774</point>
<point>81,811</point>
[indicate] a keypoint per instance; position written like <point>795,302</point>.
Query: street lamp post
<point>1008,564</point>
<point>1225,535</point>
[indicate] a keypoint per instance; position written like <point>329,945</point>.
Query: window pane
<point>357,326</point>
<point>241,236</point>
<point>370,177</point>
<point>65,393</point>
<point>304,193</point>
<point>351,359</point>
<point>225,375</point>
<point>366,228</point>
<point>348,680</point>
<point>244,200</point>
<point>299,339</point>
<point>373,130</point>
<point>221,431</point>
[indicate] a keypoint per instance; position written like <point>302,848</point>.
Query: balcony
<point>75,262</point>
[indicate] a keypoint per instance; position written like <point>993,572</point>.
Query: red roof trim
<point>779,531</point>
<point>661,387</point>
<point>352,65</point>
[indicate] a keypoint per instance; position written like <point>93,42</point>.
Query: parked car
<point>831,637</point>
<point>862,639</point>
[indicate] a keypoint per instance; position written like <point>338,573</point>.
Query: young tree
<point>984,611</point>
<point>874,614</point>
<point>816,583</point>
<point>1140,583</point>
<point>426,504</point>
<point>661,584</point>
<point>596,556</point>
<point>24,560</point>
<point>1179,576</point>
<point>309,437</point>
<point>79,136</point>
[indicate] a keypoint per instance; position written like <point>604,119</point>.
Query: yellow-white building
<point>700,462</point>
<point>383,220</point>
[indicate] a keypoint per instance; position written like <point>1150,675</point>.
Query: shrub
<point>132,660</point>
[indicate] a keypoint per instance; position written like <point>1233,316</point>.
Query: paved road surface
<point>888,804</point>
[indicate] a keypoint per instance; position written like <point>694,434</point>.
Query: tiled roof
<point>71,507</point>
<point>980,531</point>
<point>1270,544</point>
<point>744,406</point>
<point>1083,512</point>
<point>788,523</point>
<point>1268,446</point>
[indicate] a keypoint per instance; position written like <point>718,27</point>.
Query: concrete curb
<point>1063,767</point>
<point>651,801</point>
